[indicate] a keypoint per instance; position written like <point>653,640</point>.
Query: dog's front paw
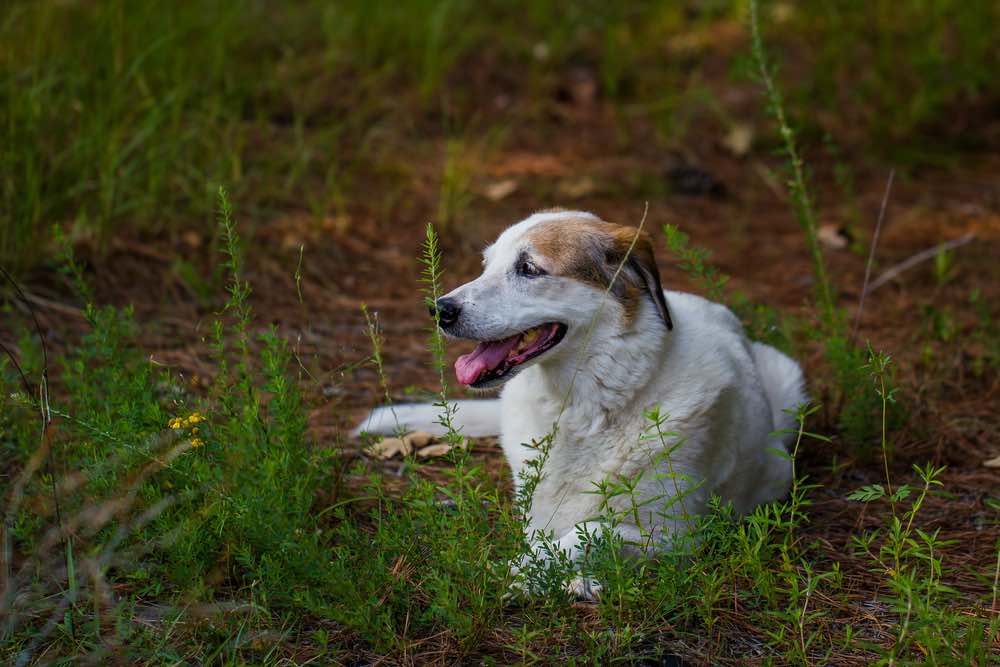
<point>517,590</point>
<point>584,589</point>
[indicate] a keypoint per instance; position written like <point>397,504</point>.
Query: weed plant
<point>857,411</point>
<point>175,496</point>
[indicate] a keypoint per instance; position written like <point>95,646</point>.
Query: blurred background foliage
<point>124,112</point>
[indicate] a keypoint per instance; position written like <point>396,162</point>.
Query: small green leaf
<point>901,493</point>
<point>781,453</point>
<point>866,494</point>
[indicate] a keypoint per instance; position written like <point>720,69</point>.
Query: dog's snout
<point>446,310</point>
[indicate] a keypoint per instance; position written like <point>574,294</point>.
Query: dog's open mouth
<point>492,360</point>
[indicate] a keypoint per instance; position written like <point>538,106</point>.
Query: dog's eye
<point>526,268</point>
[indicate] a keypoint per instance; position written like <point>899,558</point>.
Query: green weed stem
<point>798,189</point>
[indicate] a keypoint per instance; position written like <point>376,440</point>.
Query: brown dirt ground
<point>579,155</point>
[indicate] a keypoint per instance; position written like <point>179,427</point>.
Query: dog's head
<point>549,283</point>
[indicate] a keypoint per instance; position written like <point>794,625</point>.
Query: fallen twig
<point>921,256</point>
<point>871,254</point>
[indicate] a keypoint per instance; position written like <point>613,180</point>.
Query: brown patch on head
<point>591,251</point>
<point>572,247</point>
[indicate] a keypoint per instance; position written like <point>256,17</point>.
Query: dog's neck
<point>603,377</point>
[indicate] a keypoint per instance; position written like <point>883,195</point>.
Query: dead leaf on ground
<point>418,439</point>
<point>191,238</point>
<point>716,35</point>
<point>992,463</point>
<point>833,236</point>
<point>390,447</point>
<point>739,139</point>
<point>336,223</point>
<point>432,451</point>
<point>500,189</point>
<point>577,188</point>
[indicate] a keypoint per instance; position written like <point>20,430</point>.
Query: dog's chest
<point>570,487</point>
<point>580,454</point>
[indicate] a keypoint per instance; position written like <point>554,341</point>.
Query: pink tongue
<point>485,357</point>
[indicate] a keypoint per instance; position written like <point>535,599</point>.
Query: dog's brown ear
<point>640,267</point>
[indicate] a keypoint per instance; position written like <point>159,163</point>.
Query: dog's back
<point>765,375</point>
<point>734,407</point>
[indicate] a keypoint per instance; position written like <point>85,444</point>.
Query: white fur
<point>477,418</point>
<point>724,398</point>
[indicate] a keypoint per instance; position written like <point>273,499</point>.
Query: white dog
<point>572,321</point>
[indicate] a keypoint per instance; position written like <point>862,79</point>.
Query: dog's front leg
<point>576,544</point>
<point>573,547</point>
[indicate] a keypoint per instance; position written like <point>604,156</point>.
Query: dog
<point>572,322</point>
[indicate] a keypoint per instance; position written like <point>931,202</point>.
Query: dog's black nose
<point>446,311</point>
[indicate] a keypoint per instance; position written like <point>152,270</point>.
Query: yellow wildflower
<point>186,422</point>
<point>197,442</point>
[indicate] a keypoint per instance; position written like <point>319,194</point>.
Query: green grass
<point>114,112</point>
<point>123,114</point>
<point>922,61</point>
